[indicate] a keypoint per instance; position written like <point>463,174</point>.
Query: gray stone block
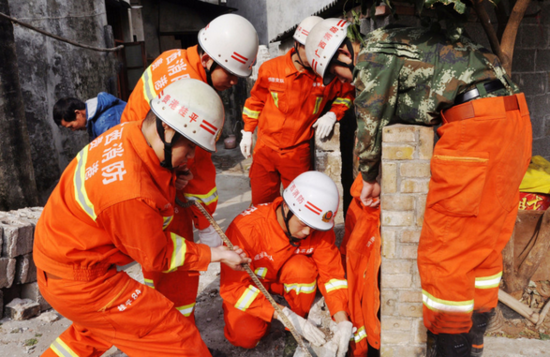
<point>7,272</point>
<point>524,60</point>
<point>532,36</point>
<point>21,309</point>
<point>25,271</point>
<point>533,83</point>
<point>543,61</point>
<point>539,106</point>
<point>31,291</point>
<point>17,237</point>
<point>30,213</point>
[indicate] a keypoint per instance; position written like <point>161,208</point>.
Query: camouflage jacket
<point>409,75</point>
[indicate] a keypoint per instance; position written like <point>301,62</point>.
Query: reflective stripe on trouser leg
<point>62,349</point>
<point>299,275</point>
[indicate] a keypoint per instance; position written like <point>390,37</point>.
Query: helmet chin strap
<point>167,163</point>
<point>337,62</point>
<point>209,73</point>
<point>300,60</point>
<point>295,242</point>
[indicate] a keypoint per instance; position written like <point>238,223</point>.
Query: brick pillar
<point>406,154</point>
<point>328,160</point>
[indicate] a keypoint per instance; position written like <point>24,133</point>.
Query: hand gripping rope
<point>257,281</point>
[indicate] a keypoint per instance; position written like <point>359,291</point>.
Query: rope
<point>257,281</point>
<point>98,49</point>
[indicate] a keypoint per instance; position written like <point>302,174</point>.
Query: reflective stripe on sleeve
<point>336,284</point>
<point>167,221</point>
<point>343,101</point>
<point>80,193</point>
<point>261,272</point>
<point>148,85</point>
<point>436,304</point>
<point>207,199</point>
<point>488,282</point>
<point>251,113</point>
<point>149,283</point>
<point>178,255</point>
<point>61,349</point>
<point>359,335</point>
<point>275,98</point>
<point>317,104</point>
<point>186,310</point>
<point>301,288</point>
<point>247,298</point>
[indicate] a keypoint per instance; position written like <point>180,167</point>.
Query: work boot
<point>453,345</point>
<point>480,321</point>
<point>431,345</point>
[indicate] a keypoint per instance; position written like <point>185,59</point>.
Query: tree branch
<point>489,30</point>
<point>509,37</point>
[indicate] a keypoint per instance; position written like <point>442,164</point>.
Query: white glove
<point>210,237</point>
<point>246,143</point>
<point>343,332</point>
<point>305,328</point>
<point>324,124</point>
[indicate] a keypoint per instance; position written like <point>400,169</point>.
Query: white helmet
<point>323,42</point>
<point>304,27</point>
<point>193,109</point>
<point>232,42</point>
<point>313,197</point>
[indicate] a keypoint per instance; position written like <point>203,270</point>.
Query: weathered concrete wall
<point>271,17</point>
<point>254,11</point>
<point>531,71</point>
<point>50,69</point>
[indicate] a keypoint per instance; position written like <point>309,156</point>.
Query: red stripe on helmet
<point>210,125</point>
<point>238,59</point>
<point>341,23</point>
<point>310,206</point>
<point>213,132</point>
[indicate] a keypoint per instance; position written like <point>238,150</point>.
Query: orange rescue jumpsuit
<point>284,104</point>
<point>471,208</point>
<point>361,249</point>
<point>283,269</point>
<point>171,66</point>
<point>114,205</point>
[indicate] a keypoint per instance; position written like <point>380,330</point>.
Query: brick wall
<point>406,154</point>
<point>17,269</point>
<point>328,160</point>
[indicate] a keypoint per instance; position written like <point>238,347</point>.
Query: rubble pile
<point>20,298</point>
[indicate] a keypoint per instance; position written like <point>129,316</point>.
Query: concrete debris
<point>21,309</point>
<point>49,317</point>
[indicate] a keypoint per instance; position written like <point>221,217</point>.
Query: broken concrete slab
<point>25,270</point>
<point>31,291</point>
<point>22,309</point>
<point>7,272</point>
<point>49,316</point>
<point>17,236</point>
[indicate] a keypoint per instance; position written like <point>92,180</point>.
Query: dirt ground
<point>514,337</point>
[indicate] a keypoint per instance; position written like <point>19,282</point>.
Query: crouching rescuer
<point>114,205</point>
<point>291,243</point>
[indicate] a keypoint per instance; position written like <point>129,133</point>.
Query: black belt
<point>472,94</point>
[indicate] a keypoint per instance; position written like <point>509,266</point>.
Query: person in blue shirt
<point>96,115</point>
